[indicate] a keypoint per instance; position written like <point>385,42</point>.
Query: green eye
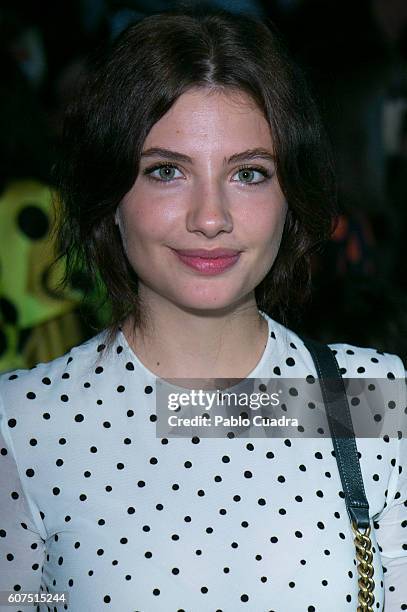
<point>248,175</point>
<point>163,173</point>
<point>166,173</point>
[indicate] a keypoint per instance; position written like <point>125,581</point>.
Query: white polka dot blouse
<point>95,505</point>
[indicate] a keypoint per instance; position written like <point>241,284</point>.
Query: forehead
<point>219,117</point>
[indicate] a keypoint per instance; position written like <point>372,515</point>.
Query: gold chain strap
<point>364,557</point>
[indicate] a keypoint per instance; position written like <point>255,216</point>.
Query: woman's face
<point>206,181</point>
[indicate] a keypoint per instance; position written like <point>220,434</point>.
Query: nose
<point>209,211</point>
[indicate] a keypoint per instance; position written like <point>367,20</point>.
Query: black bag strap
<point>342,432</point>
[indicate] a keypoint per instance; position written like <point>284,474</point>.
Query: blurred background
<point>355,56</point>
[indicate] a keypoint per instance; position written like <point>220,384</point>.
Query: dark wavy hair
<point>131,85</point>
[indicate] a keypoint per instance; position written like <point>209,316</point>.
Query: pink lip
<point>207,254</point>
<point>208,262</point>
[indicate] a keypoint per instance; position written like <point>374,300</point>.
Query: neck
<point>182,343</point>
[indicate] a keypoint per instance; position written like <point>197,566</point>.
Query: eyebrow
<point>236,157</point>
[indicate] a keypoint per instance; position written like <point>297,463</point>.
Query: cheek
<point>265,226</point>
<point>145,220</point>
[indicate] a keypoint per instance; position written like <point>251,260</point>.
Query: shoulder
<point>354,361</point>
<point>47,381</point>
<point>381,374</point>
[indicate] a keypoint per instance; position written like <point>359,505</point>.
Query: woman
<point>196,180</point>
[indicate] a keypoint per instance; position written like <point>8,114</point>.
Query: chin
<point>207,303</point>
<point>204,310</point>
